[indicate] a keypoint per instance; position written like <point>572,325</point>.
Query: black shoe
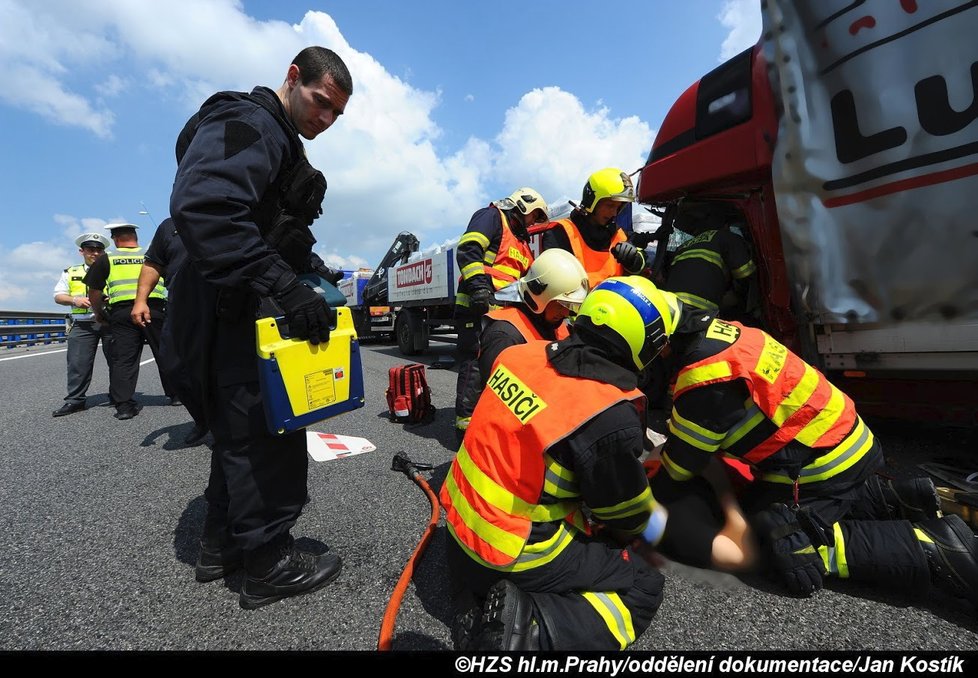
<point>508,622</point>
<point>216,562</point>
<point>296,573</point>
<point>952,555</point>
<point>68,408</point>
<point>913,499</point>
<point>197,433</point>
<point>465,628</point>
<point>175,401</point>
<point>124,412</point>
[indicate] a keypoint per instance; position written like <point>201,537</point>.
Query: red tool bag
<point>408,395</point>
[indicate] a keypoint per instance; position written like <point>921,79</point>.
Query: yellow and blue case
<point>301,383</point>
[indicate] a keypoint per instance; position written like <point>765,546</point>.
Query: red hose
<point>390,615</point>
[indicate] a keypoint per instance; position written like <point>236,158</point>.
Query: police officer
<point>493,252</point>
<point>243,200</point>
<point>116,273</point>
<point>714,263</point>
<point>817,504</point>
<point>560,426</point>
<point>84,332</point>
<point>591,233</point>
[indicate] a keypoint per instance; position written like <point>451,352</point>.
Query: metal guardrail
<point>29,328</point>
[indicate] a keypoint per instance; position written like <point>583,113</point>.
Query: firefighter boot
<point>467,621</point>
<point>219,555</point>
<point>913,499</point>
<point>278,570</point>
<point>952,555</point>
<point>508,621</point>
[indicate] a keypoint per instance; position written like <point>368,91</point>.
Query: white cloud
<point>743,19</point>
<point>382,160</point>
<point>112,86</point>
<point>552,143</point>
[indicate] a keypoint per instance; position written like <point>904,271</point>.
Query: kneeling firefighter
<point>552,289</point>
<point>818,504</point>
<point>560,425</point>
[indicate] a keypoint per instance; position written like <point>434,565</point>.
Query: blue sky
<point>456,103</point>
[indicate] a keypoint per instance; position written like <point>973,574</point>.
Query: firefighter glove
<point>481,300</point>
<point>788,550</point>
<point>306,313</point>
<point>629,256</point>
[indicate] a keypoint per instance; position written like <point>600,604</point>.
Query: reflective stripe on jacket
<point>792,394</point>
<point>509,261</point>
<point>599,264</point>
<point>124,266</point>
<point>503,480</point>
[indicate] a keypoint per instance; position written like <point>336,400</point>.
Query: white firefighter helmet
<point>555,275</point>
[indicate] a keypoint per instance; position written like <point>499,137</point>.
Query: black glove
<point>328,274</point>
<point>481,300</point>
<point>307,314</point>
<point>292,240</point>
<point>629,256</point>
<point>789,550</point>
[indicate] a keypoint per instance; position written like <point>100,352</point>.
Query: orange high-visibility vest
<point>512,259</point>
<point>492,492</point>
<point>517,318</point>
<point>802,403</point>
<point>599,264</point>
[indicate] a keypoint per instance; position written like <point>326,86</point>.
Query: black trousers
<point>257,484</point>
<point>870,546</point>
<point>593,596</point>
<point>468,326</point>
<point>128,348</point>
<point>83,342</point>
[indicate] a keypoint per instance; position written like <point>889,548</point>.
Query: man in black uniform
<point>493,252</point>
<point>165,256</point>
<point>116,272</point>
<point>243,200</point>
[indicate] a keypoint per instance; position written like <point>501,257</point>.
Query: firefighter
<point>591,233</point>
<point>552,289</point>
<point>560,426</point>
<point>493,252</point>
<point>817,504</point>
<point>714,263</point>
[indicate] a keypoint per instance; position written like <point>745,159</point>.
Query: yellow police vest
<point>124,266</point>
<point>77,288</point>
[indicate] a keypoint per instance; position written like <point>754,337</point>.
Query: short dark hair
<point>314,62</point>
<point>123,232</point>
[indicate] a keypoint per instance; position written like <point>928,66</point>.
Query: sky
<point>456,103</point>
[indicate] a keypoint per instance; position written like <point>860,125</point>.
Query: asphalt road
<point>100,521</point>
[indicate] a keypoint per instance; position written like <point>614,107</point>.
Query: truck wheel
<point>405,333</point>
<point>411,332</point>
